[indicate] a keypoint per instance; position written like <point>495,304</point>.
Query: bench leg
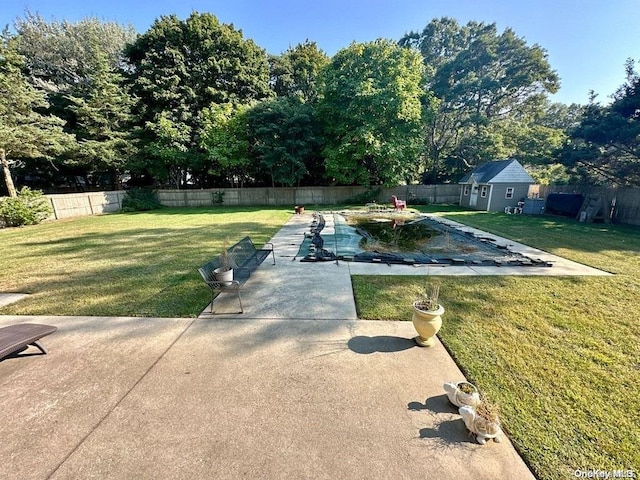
<point>240,301</point>
<point>269,244</point>
<point>213,297</point>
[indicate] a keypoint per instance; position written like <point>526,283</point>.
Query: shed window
<point>483,191</point>
<point>466,190</point>
<point>509,192</point>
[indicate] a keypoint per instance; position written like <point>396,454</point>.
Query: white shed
<point>495,185</point>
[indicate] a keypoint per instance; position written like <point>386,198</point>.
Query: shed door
<point>473,199</point>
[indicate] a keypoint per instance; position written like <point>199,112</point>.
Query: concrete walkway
<point>7,298</point>
<point>296,388</point>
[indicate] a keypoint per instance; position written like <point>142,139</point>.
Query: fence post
<point>53,206</point>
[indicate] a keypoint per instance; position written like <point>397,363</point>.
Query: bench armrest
<point>272,251</point>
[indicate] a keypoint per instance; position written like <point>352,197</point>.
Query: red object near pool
<point>398,204</point>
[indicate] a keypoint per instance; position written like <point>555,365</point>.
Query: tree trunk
<point>117,184</point>
<point>7,174</point>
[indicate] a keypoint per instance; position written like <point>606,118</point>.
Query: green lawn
<point>559,355</point>
<point>135,264</point>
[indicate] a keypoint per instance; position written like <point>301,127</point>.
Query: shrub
<point>418,201</point>
<point>30,207</point>
<point>368,196</point>
<point>140,200</point>
<point>218,197</point>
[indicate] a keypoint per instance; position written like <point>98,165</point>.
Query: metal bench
<point>16,338</point>
<point>244,258</point>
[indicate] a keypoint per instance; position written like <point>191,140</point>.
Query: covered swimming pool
<point>403,239</point>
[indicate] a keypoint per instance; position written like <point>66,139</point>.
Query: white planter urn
<point>427,323</point>
<point>224,276</point>
<point>459,397</point>
<point>480,426</point>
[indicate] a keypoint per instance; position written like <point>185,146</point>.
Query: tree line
<point>193,104</point>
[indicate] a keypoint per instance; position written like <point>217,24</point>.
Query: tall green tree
<point>480,78</point>
<point>61,56</point>
<point>372,113</point>
<point>224,136</point>
<point>179,69</point>
<point>284,138</point>
<point>24,132</point>
<point>526,138</point>
<point>80,66</point>
<point>538,139</point>
<point>297,72</point>
<point>605,147</point>
<point>103,120</point>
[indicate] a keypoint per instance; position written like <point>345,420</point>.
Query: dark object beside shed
<point>566,204</point>
<point>533,206</point>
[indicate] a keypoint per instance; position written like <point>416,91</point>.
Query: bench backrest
<point>243,257</point>
<point>242,253</point>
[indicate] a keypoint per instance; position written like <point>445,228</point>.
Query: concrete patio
<point>227,399</point>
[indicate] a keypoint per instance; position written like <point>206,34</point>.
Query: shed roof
<point>490,172</point>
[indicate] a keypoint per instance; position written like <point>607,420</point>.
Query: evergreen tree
<point>605,147</point>
<point>80,65</point>
<point>24,131</point>
<point>103,119</point>
<point>62,56</point>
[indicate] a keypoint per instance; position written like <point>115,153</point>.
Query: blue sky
<point>587,41</point>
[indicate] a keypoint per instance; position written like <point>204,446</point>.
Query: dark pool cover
<point>422,259</point>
